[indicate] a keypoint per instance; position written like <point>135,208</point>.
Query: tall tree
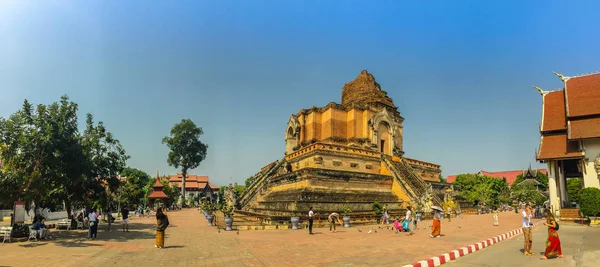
<point>187,151</point>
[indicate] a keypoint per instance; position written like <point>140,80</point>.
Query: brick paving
<point>191,242</point>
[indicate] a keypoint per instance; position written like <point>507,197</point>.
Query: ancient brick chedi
<point>344,154</point>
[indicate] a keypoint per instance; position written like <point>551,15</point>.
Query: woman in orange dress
<point>553,242</point>
<point>436,228</point>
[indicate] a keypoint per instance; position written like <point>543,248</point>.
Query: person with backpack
<point>553,248</point>
<point>162,222</point>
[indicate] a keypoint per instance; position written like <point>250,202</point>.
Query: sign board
<point>19,212</point>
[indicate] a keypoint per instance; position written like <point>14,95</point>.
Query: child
<point>397,225</point>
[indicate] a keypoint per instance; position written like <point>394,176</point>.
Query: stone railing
<point>421,163</point>
<point>258,183</point>
<point>413,184</point>
<point>333,148</point>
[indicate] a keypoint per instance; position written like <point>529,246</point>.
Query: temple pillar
<point>554,200</point>
<point>562,186</point>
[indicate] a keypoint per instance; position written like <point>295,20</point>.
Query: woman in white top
<point>409,219</point>
<point>93,217</point>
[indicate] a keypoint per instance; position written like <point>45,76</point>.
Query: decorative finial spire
<point>157,175</point>
<point>559,75</point>
<point>542,92</point>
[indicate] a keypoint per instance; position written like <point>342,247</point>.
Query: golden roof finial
<point>559,75</point>
<point>539,89</point>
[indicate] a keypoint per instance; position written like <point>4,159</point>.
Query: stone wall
<point>326,191</point>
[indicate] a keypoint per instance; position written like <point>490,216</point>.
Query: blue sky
<point>460,71</point>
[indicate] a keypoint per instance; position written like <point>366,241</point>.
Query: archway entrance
<point>384,138</point>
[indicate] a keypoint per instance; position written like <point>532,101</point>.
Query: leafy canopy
<point>47,160</point>
<point>186,149</point>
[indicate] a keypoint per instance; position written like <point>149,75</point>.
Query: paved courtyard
<point>191,242</point>
<point>579,244</point>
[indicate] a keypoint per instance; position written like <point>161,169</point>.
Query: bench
<point>64,223</point>
<point>5,232</point>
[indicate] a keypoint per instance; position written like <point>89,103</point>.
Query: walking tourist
<point>333,219</point>
<point>408,219</point>
<point>495,216</point>
<point>125,214</point>
<point>449,213</point>
<point>93,219</point>
<point>385,218</point>
<point>162,222</point>
<point>553,248</point>
<point>310,220</point>
<point>526,224</point>
<point>436,228</point>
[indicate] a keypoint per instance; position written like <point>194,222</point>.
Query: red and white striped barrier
<point>455,254</point>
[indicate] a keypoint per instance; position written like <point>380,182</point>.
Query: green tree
<point>527,193</point>
<point>48,161</point>
<point>442,179</point>
<point>132,191</point>
<point>187,151</point>
<point>249,181</point>
<point>573,189</point>
<point>541,178</point>
<point>481,189</point>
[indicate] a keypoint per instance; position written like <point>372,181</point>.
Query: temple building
<point>195,185</point>
<point>570,135</point>
<point>344,154</point>
<point>157,193</point>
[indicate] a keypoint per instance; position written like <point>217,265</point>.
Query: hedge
<point>589,201</point>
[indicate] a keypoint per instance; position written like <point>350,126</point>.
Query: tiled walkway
<point>191,242</point>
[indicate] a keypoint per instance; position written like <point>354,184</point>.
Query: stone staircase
<point>259,182</point>
<point>412,184</point>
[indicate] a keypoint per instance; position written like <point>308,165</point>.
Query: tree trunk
<point>183,174</point>
<point>68,206</point>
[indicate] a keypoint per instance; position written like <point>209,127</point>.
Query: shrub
<point>377,208</point>
<point>589,201</point>
<point>346,209</point>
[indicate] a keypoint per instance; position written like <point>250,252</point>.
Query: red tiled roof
<point>583,95</point>
<point>450,178</point>
<point>214,187</point>
<point>189,178</point>
<point>586,128</point>
<point>157,183</point>
<point>557,147</point>
<point>158,194</point>
<point>553,116</point>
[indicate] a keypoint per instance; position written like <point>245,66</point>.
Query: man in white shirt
<point>526,224</point>
<point>310,220</point>
<point>93,217</point>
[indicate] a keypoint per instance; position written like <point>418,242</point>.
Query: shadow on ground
<point>78,238</point>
